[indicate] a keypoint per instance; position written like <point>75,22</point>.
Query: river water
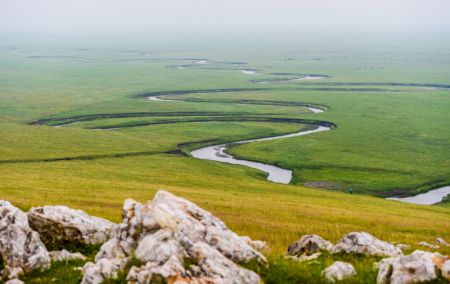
<point>428,198</point>
<point>275,174</point>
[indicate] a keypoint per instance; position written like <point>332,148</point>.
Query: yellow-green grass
<point>275,213</point>
<point>43,142</point>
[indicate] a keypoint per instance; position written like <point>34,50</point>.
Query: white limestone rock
<point>338,271</point>
<point>417,267</point>
<point>20,248</point>
<point>153,272</point>
<point>96,273</point>
<point>127,233</point>
<point>215,265</point>
<point>159,247</point>
<point>170,232</point>
<point>443,242</point>
<point>365,244</point>
<point>192,224</point>
<point>309,244</point>
<point>445,269</point>
<point>59,225</point>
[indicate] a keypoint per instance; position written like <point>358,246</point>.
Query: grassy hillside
<point>278,214</point>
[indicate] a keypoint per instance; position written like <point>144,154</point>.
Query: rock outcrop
<point>417,267</point>
<point>60,225</point>
<point>309,244</point>
<point>338,271</point>
<point>20,248</point>
<point>365,244</point>
<point>174,239</point>
<point>170,239</point>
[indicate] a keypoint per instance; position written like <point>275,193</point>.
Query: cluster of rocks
<point>439,242</point>
<point>24,238</point>
<point>397,268</point>
<point>170,239</point>
<point>174,239</point>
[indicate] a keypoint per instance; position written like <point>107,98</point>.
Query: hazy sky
<point>17,16</point>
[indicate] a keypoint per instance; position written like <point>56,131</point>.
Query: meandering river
<point>217,152</point>
<point>275,174</point>
<point>284,176</point>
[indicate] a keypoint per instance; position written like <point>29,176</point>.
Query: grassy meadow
<point>389,139</point>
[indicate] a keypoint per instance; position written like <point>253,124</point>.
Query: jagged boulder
<point>338,271</point>
<point>366,244</point>
<point>419,266</point>
<point>159,247</point>
<point>60,225</point>
<point>127,233</point>
<point>175,239</point>
<point>20,248</point>
<point>309,244</point>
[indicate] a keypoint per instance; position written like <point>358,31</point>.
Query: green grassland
<point>388,139</point>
